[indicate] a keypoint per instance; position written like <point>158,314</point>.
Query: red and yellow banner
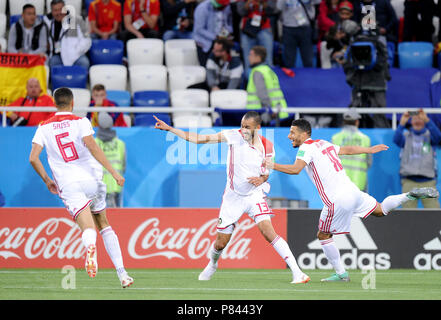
<point>149,238</point>
<point>15,71</point>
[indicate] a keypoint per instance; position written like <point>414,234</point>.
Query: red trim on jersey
<point>61,117</point>
<point>79,211</point>
<point>369,213</point>
<point>310,141</point>
<point>267,145</point>
<point>319,186</point>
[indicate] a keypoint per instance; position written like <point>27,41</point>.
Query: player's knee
<point>323,236</point>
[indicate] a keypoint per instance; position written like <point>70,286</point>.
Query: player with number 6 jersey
<point>246,188</point>
<point>76,163</point>
<point>341,197</point>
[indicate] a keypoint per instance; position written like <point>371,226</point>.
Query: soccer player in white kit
<point>245,190</point>
<point>76,163</point>
<point>341,197</point>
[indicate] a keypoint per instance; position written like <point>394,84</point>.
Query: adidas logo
<point>434,244</point>
<point>428,261</point>
<point>358,239</point>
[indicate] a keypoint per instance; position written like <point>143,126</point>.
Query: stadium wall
<point>164,171</point>
<point>403,239</point>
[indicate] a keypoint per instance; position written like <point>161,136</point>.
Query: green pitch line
<point>226,284</point>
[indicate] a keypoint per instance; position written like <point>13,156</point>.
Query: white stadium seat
<point>180,77</point>
<point>3,6</point>
<point>185,121</point>
<point>147,78</point>
<point>112,76</point>
<point>190,98</point>
<point>228,99</point>
<point>81,100</point>
<point>16,6</point>
<point>181,52</point>
<point>3,45</point>
<point>145,51</point>
<point>3,23</point>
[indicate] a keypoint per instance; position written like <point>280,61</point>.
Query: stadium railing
<point>296,111</point>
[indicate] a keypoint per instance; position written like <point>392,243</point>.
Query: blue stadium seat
<point>120,97</point>
<point>106,52</point>
<point>151,99</point>
<point>391,47</point>
<point>72,77</point>
<point>435,95</point>
<point>87,4</point>
<point>415,55</point>
<point>313,87</point>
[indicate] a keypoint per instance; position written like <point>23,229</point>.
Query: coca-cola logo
<point>148,240</point>
<point>42,240</point>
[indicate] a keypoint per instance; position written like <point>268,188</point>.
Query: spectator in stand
<point>418,166</point>
<point>385,18</point>
<point>327,16</point>
<point>297,31</point>
<point>212,18</point>
<point>34,98</point>
<point>255,28</point>
<point>104,19</point>
<point>224,68</point>
<point>69,40</point>
<point>141,19</point>
<point>99,99</point>
<point>28,34</point>
<point>337,39</point>
<point>418,20</point>
<point>178,18</point>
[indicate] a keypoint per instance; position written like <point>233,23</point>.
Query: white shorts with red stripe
<point>336,217</point>
<point>235,205</point>
<point>78,195</point>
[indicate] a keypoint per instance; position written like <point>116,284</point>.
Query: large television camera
<point>363,52</point>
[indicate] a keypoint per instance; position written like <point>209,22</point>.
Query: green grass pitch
<point>226,284</point>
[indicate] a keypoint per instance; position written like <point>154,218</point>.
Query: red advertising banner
<point>149,238</point>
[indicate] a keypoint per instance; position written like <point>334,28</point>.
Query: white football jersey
<point>245,161</point>
<point>68,157</point>
<point>325,170</point>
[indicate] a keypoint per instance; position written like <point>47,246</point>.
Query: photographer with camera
<point>367,72</point>
<point>418,158</point>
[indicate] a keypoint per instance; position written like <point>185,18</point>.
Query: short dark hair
<point>63,97</point>
<point>303,125</point>
<point>99,87</point>
<point>260,51</point>
<point>28,6</point>
<point>54,2</point>
<point>225,43</point>
<point>253,115</point>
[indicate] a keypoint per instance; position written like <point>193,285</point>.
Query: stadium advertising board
<point>403,239</point>
<point>149,238</point>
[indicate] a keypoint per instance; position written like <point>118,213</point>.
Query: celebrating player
<point>245,190</point>
<point>341,197</point>
<point>76,163</point>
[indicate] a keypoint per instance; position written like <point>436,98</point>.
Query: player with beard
<point>245,190</point>
<point>341,197</point>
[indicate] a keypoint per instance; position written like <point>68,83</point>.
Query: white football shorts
<point>337,217</point>
<point>235,205</point>
<point>77,196</point>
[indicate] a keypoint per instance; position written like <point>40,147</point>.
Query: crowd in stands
<point>315,31</point>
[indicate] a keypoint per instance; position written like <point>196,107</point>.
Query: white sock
<point>113,249</point>
<point>393,202</point>
<point>282,248</point>
<point>333,255</point>
<point>89,237</point>
<point>214,254</point>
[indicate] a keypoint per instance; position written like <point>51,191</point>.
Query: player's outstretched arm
<point>295,168</point>
<point>99,155</point>
<point>361,150</point>
<point>34,159</point>
<point>190,136</point>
